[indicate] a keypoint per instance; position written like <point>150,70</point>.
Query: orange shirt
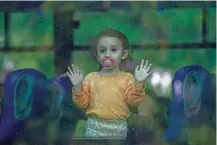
<point>108,97</point>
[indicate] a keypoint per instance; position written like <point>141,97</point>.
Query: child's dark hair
<point>109,32</point>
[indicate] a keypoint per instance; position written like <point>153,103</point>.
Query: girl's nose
<point>107,53</point>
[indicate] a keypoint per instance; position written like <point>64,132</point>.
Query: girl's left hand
<point>142,71</point>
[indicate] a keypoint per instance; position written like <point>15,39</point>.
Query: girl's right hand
<point>75,75</point>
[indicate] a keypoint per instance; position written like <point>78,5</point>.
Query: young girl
<point>107,94</point>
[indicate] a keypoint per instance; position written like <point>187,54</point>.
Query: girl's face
<point>109,52</point>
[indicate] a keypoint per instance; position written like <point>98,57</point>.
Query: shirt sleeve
<point>135,92</point>
<point>82,99</point>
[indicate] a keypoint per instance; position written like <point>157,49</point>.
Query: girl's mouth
<point>108,62</point>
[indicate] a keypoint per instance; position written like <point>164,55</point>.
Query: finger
<point>142,63</point>
<point>79,72</point>
<point>73,68</point>
<point>148,68</point>
<point>68,74</point>
<point>77,69</point>
<point>146,64</point>
<point>137,68</point>
<point>70,71</point>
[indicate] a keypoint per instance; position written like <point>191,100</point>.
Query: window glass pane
<point>43,61</point>
<point>181,25</point>
<point>175,58</point>
<point>211,25</point>
<point>175,25</point>
<point>93,22</point>
<point>85,61</point>
<point>31,29</point>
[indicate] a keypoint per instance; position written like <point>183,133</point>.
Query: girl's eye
<point>114,49</point>
<point>102,50</point>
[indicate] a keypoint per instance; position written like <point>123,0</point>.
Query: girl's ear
<point>125,54</point>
